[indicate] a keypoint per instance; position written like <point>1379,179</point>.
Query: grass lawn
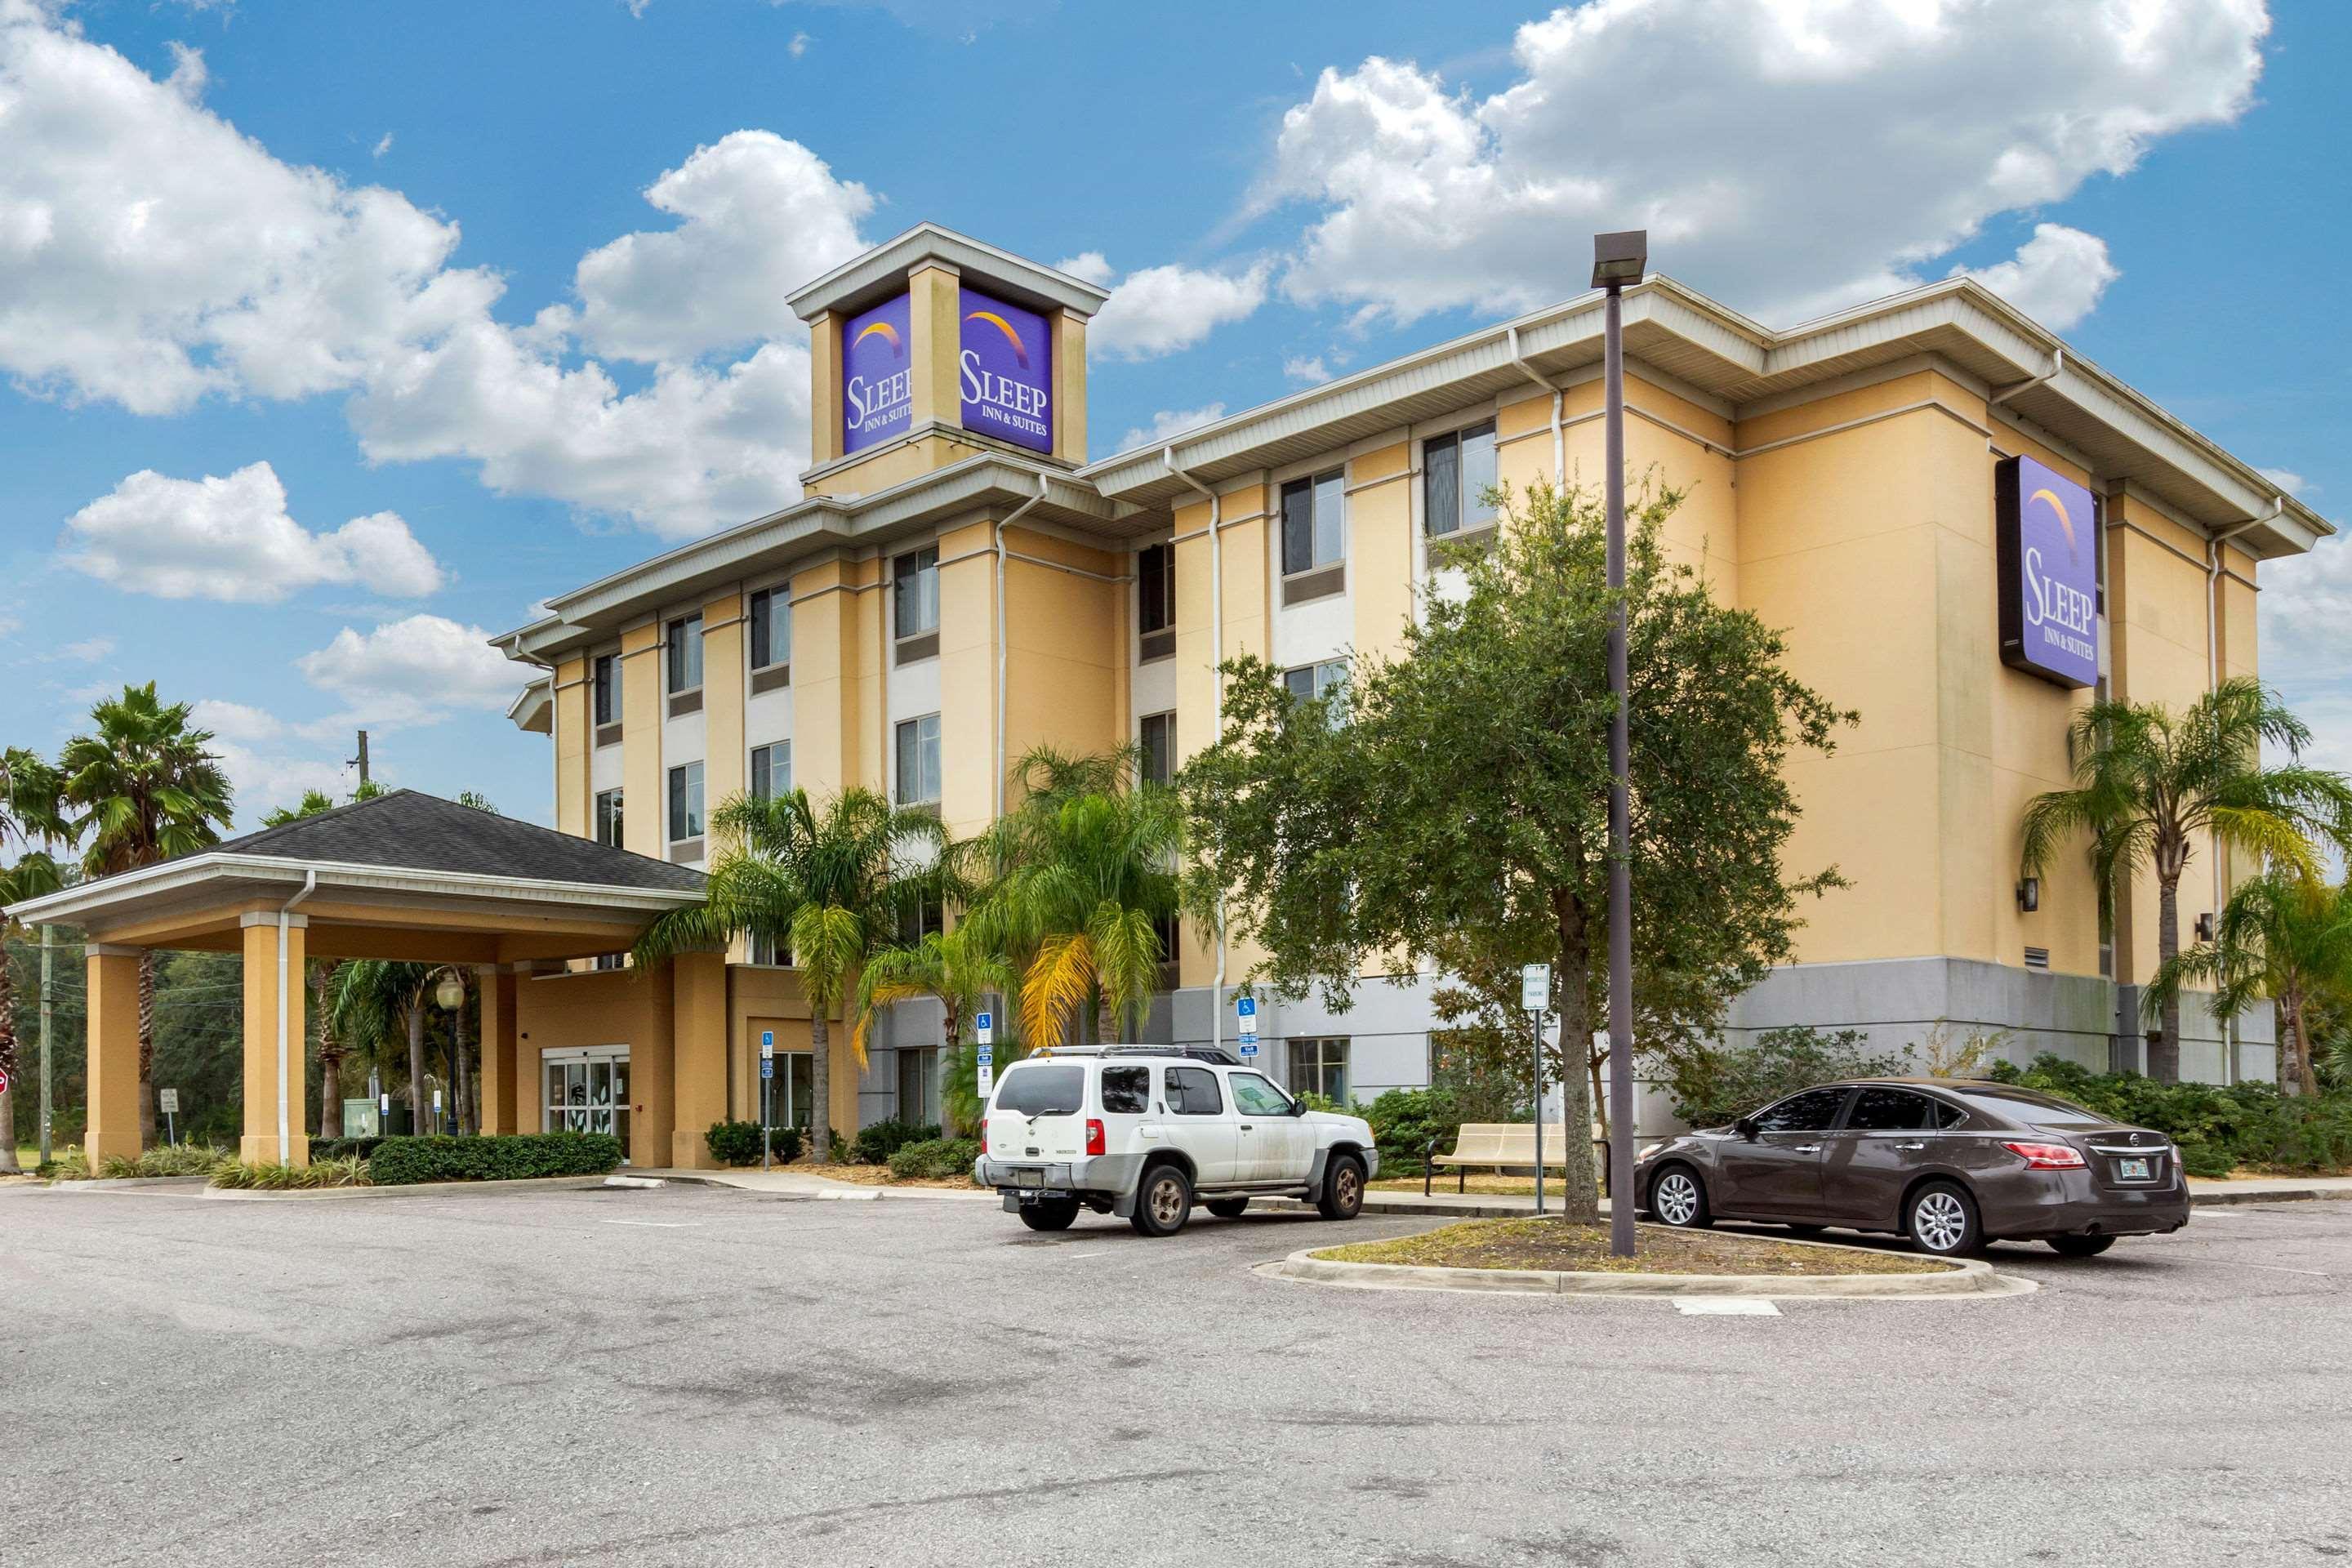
<point>1554,1244</point>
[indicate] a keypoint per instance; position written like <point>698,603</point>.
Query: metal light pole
<point>1619,259</point>
<point>48,1066</point>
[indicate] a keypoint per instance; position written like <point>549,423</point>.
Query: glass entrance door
<point>587,1091</point>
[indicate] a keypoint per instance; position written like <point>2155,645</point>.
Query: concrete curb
<point>124,1184</point>
<point>415,1190</point>
<point>1971,1278</point>
<point>2228,1199</point>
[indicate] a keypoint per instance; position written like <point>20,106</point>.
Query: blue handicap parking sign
<point>1246,1006</point>
<point>767,1067</point>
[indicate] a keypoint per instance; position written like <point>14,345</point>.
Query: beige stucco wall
<point>645,820</point>
<point>604,1007</point>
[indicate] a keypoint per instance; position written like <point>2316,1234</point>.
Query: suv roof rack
<point>1197,1053</point>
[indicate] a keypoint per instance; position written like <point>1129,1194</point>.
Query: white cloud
<point>1792,157</point>
<point>1313,372</point>
<point>799,45</point>
<point>416,670</point>
<point>1171,422</point>
<point>384,145</point>
<point>90,650</point>
<point>1160,310</point>
<point>232,538</point>
<point>1090,265</point>
<point>2305,613</point>
<point>2290,481</point>
<point>2055,278</point>
<point>235,721</point>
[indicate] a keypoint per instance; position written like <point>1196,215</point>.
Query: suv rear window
<point>1056,1089</point>
<point>1125,1091</point>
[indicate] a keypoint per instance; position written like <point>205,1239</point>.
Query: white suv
<point>1148,1130</point>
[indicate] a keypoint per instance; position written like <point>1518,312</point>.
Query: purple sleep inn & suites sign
<point>1006,371</point>
<point>2048,547</point>
<point>878,378</point>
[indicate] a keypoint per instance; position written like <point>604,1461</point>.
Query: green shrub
<point>935,1159</point>
<point>2216,1125</point>
<point>343,1148</point>
<point>277,1178</point>
<point>1403,1122</point>
<point>738,1143</point>
<point>876,1144</point>
<point>1324,1103</point>
<point>404,1162</point>
<point>1713,1086</point>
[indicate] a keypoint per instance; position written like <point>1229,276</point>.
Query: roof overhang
<point>1724,357</point>
<point>357,911</point>
<point>881,272</point>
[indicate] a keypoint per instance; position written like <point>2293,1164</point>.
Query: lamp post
<point>451,993</point>
<point>1619,259</point>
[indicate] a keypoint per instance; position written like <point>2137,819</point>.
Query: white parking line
<point>1725,1306</point>
<point>660,1224</point>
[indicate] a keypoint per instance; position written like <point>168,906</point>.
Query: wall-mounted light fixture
<point>2029,895</point>
<point>2205,927</point>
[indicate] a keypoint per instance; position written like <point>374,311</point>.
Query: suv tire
<point>1678,1198</point>
<point>1226,1208</point>
<point>1163,1201</point>
<point>1342,1197</point>
<point>1941,1221</point>
<point>1052,1214</point>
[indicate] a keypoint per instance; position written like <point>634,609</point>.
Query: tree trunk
<point>2164,1051</point>
<point>147,1048</point>
<point>2307,1071</point>
<point>7,1064</point>
<point>820,1088</point>
<point>1106,1018</point>
<point>1579,1181</point>
<point>330,1051</point>
<point>1593,1061</point>
<point>461,1082</point>
<point>416,1101</point>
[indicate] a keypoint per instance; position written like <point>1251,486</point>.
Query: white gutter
<point>1559,438</point>
<point>1217,706</point>
<point>285,1061</point>
<point>2057,364</point>
<point>1009,518</point>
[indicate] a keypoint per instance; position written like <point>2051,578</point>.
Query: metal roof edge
<point>871,272</point>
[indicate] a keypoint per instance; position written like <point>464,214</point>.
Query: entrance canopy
<point>403,876</point>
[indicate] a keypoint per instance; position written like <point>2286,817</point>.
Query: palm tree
<point>31,812</point>
<point>2281,935</point>
<point>826,885</point>
<point>956,967</point>
<point>2147,781</point>
<point>1085,872</point>
<point>376,1002</point>
<point>145,791</point>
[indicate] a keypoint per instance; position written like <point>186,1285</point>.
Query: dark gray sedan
<point>1950,1164</point>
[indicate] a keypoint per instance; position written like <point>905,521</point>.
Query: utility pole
<point>48,1067</point>
<point>361,762</point>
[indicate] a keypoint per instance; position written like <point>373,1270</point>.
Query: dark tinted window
<point>1155,582</point>
<point>1192,1091</point>
<point>1949,1115</point>
<point>1125,1091</point>
<point>2024,1105</point>
<point>1810,1112</point>
<point>1890,1110</point>
<point>1056,1088</point>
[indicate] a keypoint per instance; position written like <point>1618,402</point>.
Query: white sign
<point>984,1026</point>
<point>1534,987</point>
<point>987,1080</point>
<point>384,1105</point>
<point>436,1102</point>
<point>166,1099</point>
<point>767,1044</point>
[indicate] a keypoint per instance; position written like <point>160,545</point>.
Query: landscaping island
<point>1556,1244</point>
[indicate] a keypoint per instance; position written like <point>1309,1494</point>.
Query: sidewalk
<point>802,1184</point>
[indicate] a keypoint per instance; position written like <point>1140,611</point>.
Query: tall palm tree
<point>2281,935</point>
<point>956,967</point>
<point>1084,874</point>
<point>826,885</point>
<point>32,815</point>
<point>378,1003</point>
<point>145,790</point>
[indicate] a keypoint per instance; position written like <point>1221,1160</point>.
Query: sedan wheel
<point>2080,1245</point>
<point>1677,1199</point>
<point>1943,1220</point>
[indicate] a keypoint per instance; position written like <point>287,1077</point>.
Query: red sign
<point>3,1082</point>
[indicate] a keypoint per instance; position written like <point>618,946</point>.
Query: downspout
<point>285,1061</point>
<point>1558,436</point>
<point>1217,704</point>
<point>1001,523</point>
<point>2057,364</point>
<point>2213,542</point>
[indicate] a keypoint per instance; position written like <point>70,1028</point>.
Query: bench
<point>1506,1143</point>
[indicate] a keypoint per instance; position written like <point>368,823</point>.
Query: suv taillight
<point>1095,1141</point>
<point>2047,1156</point>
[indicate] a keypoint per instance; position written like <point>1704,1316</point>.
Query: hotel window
<point>607,691</point>
<point>915,603</point>
<point>1457,470</point>
<point>686,803</point>
<point>1319,1067</point>
<point>1158,742</point>
<point>772,771</point>
<point>772,629</point>
<point>920,918</point>
<point>919,1086</point>
<point>608,817</point>
<point>1171,966</point>
<point>918,761</point>
<point>686,653</point>
<point>1314,537</point>
<point>1309,681</point>
<point>769,951</point>
<point>1155,591</point>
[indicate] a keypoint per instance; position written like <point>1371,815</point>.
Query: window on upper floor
<point>686,653</point>
<point>1157,741</point>
<point>1314,523</point>
<point>1155,591</point>
<point>1309,681</point>
<point>772,627</point>
<point>608,817</point>
<point>772,771</point>
<point>1457,472</point>
<point>686,802</point>
<point>915,593</point>
<point>918,761</point>
<point>605,689</point>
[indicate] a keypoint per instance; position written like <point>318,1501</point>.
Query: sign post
<point>1534,995</point>
<point>767,1095</point>
<point>168,1101</point>
<point>983,1026</point>
<point>1245,1012</point>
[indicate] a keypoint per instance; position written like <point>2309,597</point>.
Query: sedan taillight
<point>2047,1156</point>
<point>1096,1143</point>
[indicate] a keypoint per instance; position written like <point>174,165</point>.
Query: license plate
<point>2134,1171</point>
<point>1028,1178</point>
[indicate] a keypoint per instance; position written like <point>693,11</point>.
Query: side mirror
<point>1746,1127</point>
<point>1297,1108</point>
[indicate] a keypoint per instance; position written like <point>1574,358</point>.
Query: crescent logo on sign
<point>2074,545</point>
<point>1019,349</point>
<point>890,335</point>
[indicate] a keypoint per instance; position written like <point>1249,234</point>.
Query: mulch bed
<point>877,1176</point>
<point>1556,1244</point>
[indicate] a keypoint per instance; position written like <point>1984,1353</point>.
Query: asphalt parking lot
<point>702,1376</point>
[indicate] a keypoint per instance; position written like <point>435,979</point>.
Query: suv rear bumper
<point>1108,1175</point>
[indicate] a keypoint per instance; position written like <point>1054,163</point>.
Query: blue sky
<point>505,282</point>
